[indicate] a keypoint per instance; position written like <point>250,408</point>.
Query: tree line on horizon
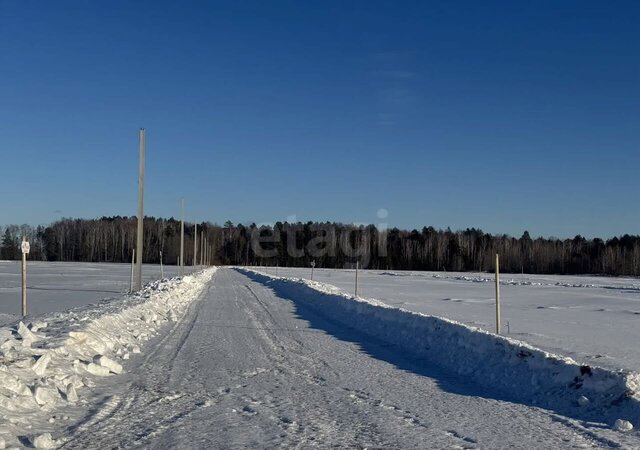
<point>330,245</point>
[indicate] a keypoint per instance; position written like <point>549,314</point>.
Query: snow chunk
<point>97,370</point>
<point>109,363</point>
<point>623,425</point>
<point>27,335</point>
<point>44,441</point>
<point>80,338</point>
<point>40,367</point>
<point>13,384</point>
<point>72,395</point>
<point>37,326</point>
<point>44,395</point>
<point>583,401</point>
<point>151,316</point>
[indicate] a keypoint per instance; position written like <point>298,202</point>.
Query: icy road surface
<point>247,368</point>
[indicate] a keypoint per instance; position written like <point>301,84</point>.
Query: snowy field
<point>236,359</point>
<point>59,286</point>
<point>594,320</point>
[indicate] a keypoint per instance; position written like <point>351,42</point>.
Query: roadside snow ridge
<point>511,368</point>
<point>45,365</point>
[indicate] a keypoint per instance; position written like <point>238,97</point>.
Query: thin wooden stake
<point>357,266</point>
<point>195,248</point>
<point>161,267</point>
<point>182,239</point>
<point>133,259</point>
<point>497,294</point>
<point>202,249</point>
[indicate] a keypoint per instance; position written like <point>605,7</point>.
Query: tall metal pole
<point>182,240</point>
<point>497,294</point>
<point>139,239</point>
<point>195,248</point>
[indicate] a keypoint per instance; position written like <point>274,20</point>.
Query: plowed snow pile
<point>48,363</point>
<point>507,367</point>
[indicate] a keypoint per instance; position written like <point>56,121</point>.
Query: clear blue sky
<point>500,115</point>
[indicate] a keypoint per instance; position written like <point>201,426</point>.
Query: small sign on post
<point>25,247</point>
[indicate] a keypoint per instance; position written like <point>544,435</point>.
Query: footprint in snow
<point>249,411</point>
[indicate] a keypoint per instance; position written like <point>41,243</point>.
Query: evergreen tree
<point>9,248</point>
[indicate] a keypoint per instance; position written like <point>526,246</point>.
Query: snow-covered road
<point>250,367</point>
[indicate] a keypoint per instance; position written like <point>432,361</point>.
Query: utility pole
<point>497,294</point>
<point>182,240</point>
<point>195,247</point>
<point>139,239</point>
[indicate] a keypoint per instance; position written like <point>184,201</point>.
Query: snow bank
<point>506,281</point>
<point>512,369</point>
<point>45,365</point>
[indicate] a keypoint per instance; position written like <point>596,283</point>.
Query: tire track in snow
<point>102,425</point>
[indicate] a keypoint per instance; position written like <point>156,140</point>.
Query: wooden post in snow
<point>202,249</point>
<point>195,248</point>
<point>497,294</point>
<point>25,251</point>
<point>133,259</point>
<point>182,239</point>
<point>313,265</point>
<point>161,267</point>
<point>357,266</point>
